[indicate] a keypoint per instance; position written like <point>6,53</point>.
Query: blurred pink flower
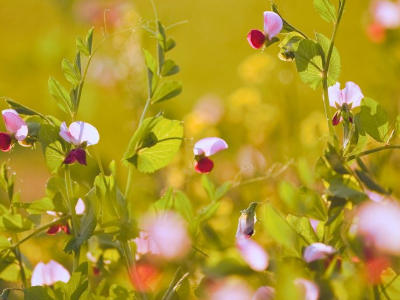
<point>253,254</point>
<point>230,290</point>
<point>318,251</point>
<point>48,274</point>
<point>64,226</point>
<point>16,129</point>
<point>81,135</point>
<point>273,24</point>
<point>264,293</point>
<point>309,289</point>
<point>378,224</point>
<point>145,244</point>
<point>376,33</point>
<point>386,13</point>
<point>203,149</point>
<point>168,232</point>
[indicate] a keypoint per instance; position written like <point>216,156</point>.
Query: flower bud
<point>256,38</point>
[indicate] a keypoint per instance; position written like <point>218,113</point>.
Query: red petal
<point>54,230</point>
<point>336,119</point>
<point>256,38</point>
<point>80,155</point>
<point>65,228</point>
<point>5,142</point>
<point>204,165</point>
<point>70,159</point>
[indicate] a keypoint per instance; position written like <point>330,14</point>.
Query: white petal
<point>352,94</point>
<point>209,146</point>
<point>38,274</point>
<point>335,95</point>
<point>84,132</point>
<point>273,24</point>
<point>253,254</point>
<point>309,288</point>
<point>317,251</point>
<point>57,272</point>
<point>80,207</point>
<point>64,133</point>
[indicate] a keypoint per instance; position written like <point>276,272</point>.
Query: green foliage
<point>61,95</point>
<point>326,10</point>
<point>334,69</point>
<point>15,223</point>
<point>39,293</point>
<point>167,90</point>
<point>374,120</point>
<point>176,201</point>
<point>53,147</point>
<point>70,72</point>
<point>154,144</point>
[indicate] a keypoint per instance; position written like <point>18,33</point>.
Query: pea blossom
<point>48,274</point>
<point>318,251</point>
<point>309,289</point>
<point>80,135</point>
<point>203,149</point>
<point>247,221</point>
<point>344,100</point>
<point>273,24</point>
<point>17,130</point>
<point>64,226</point>
<point>145,244</point>
<point>253,254</point>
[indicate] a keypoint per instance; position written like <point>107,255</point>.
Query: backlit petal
<point>209,146</point>
<point>80,207</point>
<point>253,254</point>
<point>273,24</point>
<point>310,289</point>
<point>317,251</point>
<point>335,95</point>
<point>57,272</point>
<point>352,94</point>
<point>14,124</point>
<point>256,38</point>
<point>5,142</point>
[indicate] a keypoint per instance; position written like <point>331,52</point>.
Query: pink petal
<point>335,95</point>
<point>145,244</point>
<point>38,275</point>
<point>309,288</point>
<point>79,132</point>
<point>256,38</point>
<point>273,24</point>
<point>230,290</point>
<point>5,142</point>
<point>80,207</point>
<point>209,146</point>
<point>66,135</point>
<point>317,251</point>
<point>15,125</point>
<point>337,118</point>
<point>352,94</point>
<point>386,13</point>
<point>57,272</point>
<point>314,224</point>
<point>253,254</point>
<point>264,293</point>
<point>204,165</point>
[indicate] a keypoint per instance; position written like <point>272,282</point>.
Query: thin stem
<point>19,258</point>
<point>371,151</point>
<point>376,292</point>
<point>130,265</point>
<point>170,288</point>
<point>75,221</point>
<point>171,294</point>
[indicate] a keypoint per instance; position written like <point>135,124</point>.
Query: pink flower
<point>48,274</point>
<point>378,224</point>
<point>318,251</point>
<point>253,254</point>
<point>205,148</point>
<point>386,13</point>
<point>64,226</point>
<point>348,98</point>
<point>273,24</point>
<point>230,290</point>
<point>309,289</point>
<point>79,134</point>
<point>16,129</point>
<point>168,232</point>
<point>145,244</point>
<point>314,224</point>
<point>264,293</point>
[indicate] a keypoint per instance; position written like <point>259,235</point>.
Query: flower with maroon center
<point>17,130</point>
<point>81,135</point>
<point>344,100</point>
<point>205,148</point>
<point>64,226</point>
<point>273,24</point>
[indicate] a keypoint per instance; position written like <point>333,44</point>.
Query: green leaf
<point>70,72</point>
<point>335,64</point>
<point>119,293</point>
<point>167,90</point>
<point>169,68</point>
<point>4,243</point>
<point>346,189</point>
<point>52,146</point>
<point>166,202</point>
<point>39,293</point>
<point>78,287</point>
<point>15,223</point>
<point>77,63</point>
<point>309,63</point>
<point>326,10</point>
<point>183,206</point>
<point>4,295</point>
<point>370,182</point>
<point>169,44</point>
<point>374,120</point>
<point>303,227</point>
<point>61,95</point>
<point>89,40</point>
<point>208,186</point>
<point>391,282</point>
<point>359,138</point>
<point>23,110</point>
<point>82,46</point>
<point>154,144</point>
<point>335,160</point>
<point>311,204</point>
<point>42,205</point>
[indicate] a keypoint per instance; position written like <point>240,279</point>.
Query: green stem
<point>376,292</point>
<point>371,151</point>
<point>130,265</point>
<point>173,291</point>
<point>74,217</point>
<point>19,258</point>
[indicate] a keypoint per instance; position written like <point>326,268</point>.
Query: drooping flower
<point>48,274</point>
<point>81,135</point>
<point>203,149</point>
<point>145,244</point>
<point>247,221</point>
<point>273,24</point>
<point>378,224</point>
<point>344,100</point>
<point>168,232</point>
<point>253,254</point>
<point>17,130</point>
<point>317,251</point>
<point>64,226</point>
<point>264,293</point>
<point>309,289</point>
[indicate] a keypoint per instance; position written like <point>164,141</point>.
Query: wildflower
<point>205,148</point>
<point>309,289</point>
<point>168,232</point>
<point>64,226</point>
<point>253,254</point>
<point>386,13</point>
<point>81,135</point>
<point>273,24</point>
<point>230,290</point>
<point>344,100</point>
<point>48,274</point>
<point>246,222</point>
<point>145,244</point>
<point>264,293</point>
<point>17,130</point>
<point>317,251</point>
